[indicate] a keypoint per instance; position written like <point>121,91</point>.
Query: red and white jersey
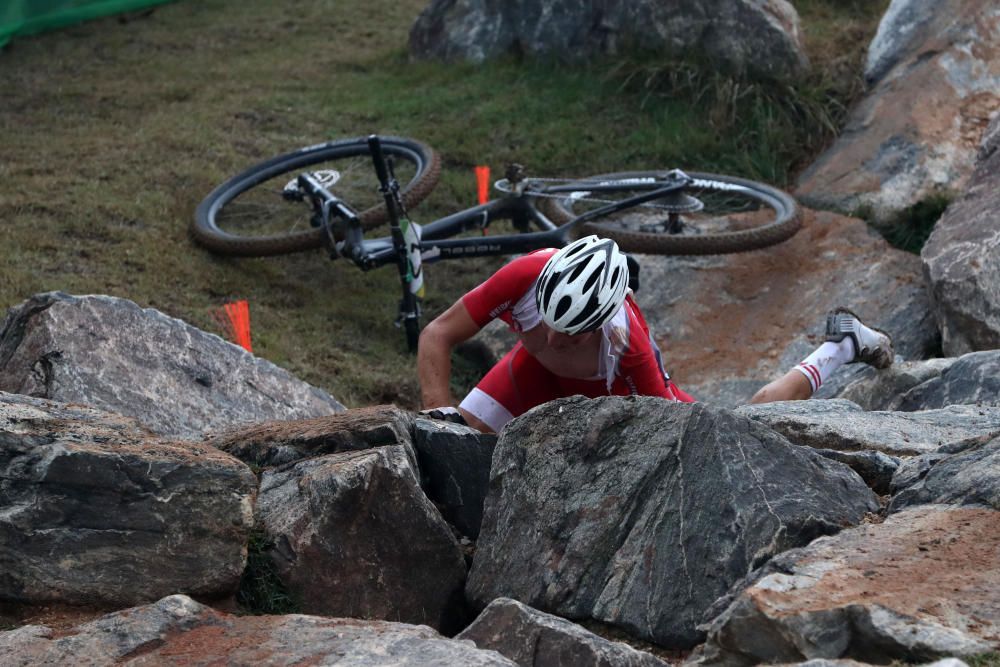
<point>630,361</point>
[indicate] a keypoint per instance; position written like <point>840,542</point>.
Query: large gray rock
<point>640,512</point>
<point>177,380</point>
<point>923,585</point>
<point>355,536</point>
<point>96,510</point>
<point>842,425</point>
<point>282,442</point>
<point>971,476</point>
<point>455,466</point>
<point>962,258</point>
<point>760,36</point>
<point>179,631</point>
<point>728,325</point>
<point>935,74</point>
<point>886,389</point>
<point>876,468</point>
<point>910,471</point>
<point>453,461</point>
<point>532,638</point>
<point>972,379</point>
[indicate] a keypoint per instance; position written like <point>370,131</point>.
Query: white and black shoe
<point>871,346</point>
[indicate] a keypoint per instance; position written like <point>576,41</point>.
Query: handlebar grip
<point>378,158</point>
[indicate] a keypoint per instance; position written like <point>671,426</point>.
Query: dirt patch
<point>747,311</point>
<point>939,565</point>
<point>61,618</point>
<point>216,638</point>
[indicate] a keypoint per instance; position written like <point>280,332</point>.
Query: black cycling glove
<point>447,414</point>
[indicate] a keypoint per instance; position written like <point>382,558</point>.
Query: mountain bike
<point>328,195</point>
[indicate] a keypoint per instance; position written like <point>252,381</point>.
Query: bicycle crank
<point>674,204</point>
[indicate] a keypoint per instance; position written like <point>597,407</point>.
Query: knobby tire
<point>418,168</point>
<point>783,224</point>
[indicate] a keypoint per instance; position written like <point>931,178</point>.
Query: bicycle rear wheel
<point>713,214</point>
<point>255,213</point>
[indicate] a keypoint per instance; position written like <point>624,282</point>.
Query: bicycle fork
<point>405,242</point>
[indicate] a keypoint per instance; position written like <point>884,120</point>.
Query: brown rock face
<point>938,84</point>
<point>922,585</point>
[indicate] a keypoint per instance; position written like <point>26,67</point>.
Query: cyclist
<point>581,332</point>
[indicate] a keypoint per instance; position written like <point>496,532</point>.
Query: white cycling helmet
<point>582,286</point>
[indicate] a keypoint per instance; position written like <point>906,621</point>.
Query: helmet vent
<point>563,306</point>
<point>585,314</point>
<point>575,273</point>
<point>550,286</point>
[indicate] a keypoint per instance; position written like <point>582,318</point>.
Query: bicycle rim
<point>249,214</point>
<point>715,214</point>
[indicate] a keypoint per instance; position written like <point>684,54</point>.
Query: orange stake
<point>483,183</point>
<point>234,318</point>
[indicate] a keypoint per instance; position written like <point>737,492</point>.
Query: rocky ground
<point>145,463</point>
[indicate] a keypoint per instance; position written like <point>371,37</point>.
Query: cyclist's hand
<point>445,413</point>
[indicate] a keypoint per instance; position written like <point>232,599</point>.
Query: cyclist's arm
<point>437,340</point>
<point>646,379</point>
<point>643,376</point>
<point>641,367</point>
<point>491,299</point>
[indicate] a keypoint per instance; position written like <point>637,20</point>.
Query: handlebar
<point>315,190</point>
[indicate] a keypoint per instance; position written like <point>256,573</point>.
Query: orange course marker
<point>483,182</point>
<point>234,318</point>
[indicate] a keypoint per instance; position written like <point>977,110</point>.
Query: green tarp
<point>26,17</point>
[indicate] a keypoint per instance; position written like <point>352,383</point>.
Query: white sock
<point>827,358</point>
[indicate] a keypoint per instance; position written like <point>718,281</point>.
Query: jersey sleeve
<point>501,291</point>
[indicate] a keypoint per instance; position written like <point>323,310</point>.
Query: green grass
<point>991,659</point>
<point>910,228</point>
<point>765,129</point>
<point>261,590</point>
<point>114,130</point>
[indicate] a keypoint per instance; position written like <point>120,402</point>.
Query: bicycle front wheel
<point>255,213</point>
<point>712,214</point>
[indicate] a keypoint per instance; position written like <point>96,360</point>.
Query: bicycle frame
<point>436,242</point>
<point>345,236</point>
